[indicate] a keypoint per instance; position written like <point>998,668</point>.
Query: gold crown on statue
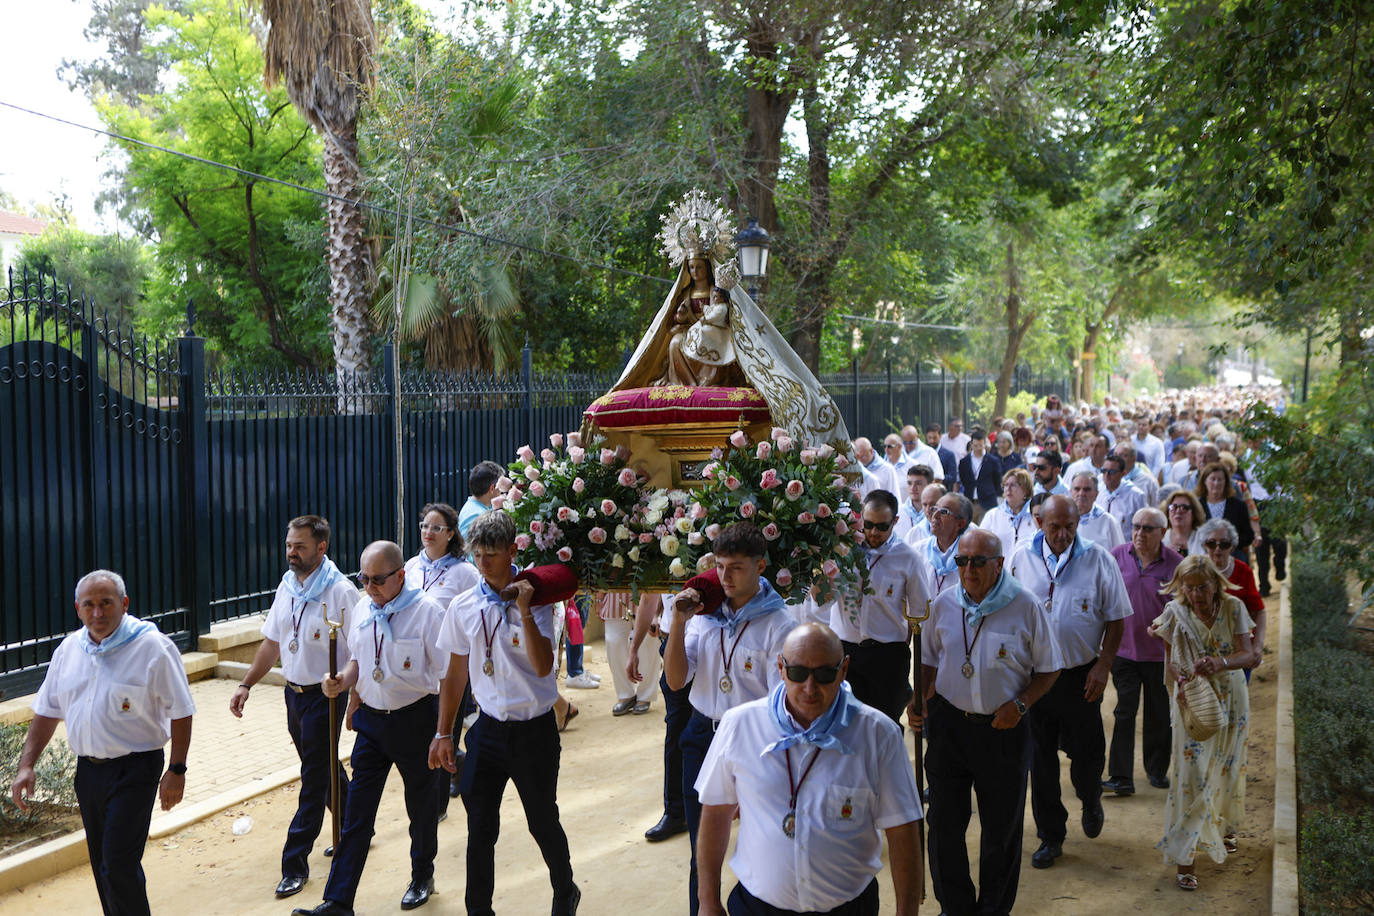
<point>697,227</point>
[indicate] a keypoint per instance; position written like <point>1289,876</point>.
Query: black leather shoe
<point>290,885</point>
<point>567,906</point>
<point>417,894</point>
<point>665,828</point>
<point>1119,786</point>
<point>1093,817</point>
<point>1044,856</point>
<point>328,908</point>
<point>328,851</point>
<point>1159,782</point>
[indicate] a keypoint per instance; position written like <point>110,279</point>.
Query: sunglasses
<point>909,441</point>
<point>797,674</point>
<point>975,562</point>
<point>878,526</point>
<point>1217,545</point>
<point>1040,467</point>
<point>365,580</point>
<point>1180,507</point>
<point>893,445</point>
<point>1146,527</point>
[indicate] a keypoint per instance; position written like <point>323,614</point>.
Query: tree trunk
<point>350,257</point>
<point>816,267</point>
<point>768,108</point>
<point>1016,332</point>
<point>1093,330</point>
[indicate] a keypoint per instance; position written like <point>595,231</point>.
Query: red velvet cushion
<point>670,405</point>
<point>552,583</point>
<point>708,586</point>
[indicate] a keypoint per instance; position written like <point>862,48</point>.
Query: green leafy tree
<point>110,270</point>
<point>248,253</point>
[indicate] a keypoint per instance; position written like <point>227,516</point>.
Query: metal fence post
<point>195,476</point>
<point>393,427</point>
<point>97,455</point>
<point>527,392</point>
<point>854,376</point>
<point>919,421</point>
<point>891,407</point>
<point>944,400</point>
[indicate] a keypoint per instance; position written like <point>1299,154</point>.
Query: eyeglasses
<point>975,562</point>
<point>433,529</point>
<point>892,445</point>
<point>1111,472</point>
<point>1147,527</point>
<point>1217,545</point>
<point>1040,467</point>
<point>1180,507</point>
<point>908,441</point>
<point>797,674</point>
<point>365,580</point>
<point>878,526</point>
<point>938,511</point>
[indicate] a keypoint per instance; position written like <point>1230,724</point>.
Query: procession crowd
<point>1027,564</point>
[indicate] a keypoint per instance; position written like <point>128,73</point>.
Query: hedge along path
<point>610,792</point>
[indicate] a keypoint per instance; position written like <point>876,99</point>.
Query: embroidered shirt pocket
<point>848,808</point>
<point>128,700</point>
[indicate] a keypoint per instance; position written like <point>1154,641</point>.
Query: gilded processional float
<point>714,420</point>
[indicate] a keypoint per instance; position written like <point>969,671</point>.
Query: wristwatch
<point>177,769</point>
<point>1020,706</point>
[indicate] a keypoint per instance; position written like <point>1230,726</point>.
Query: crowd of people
<point>1047,554</point>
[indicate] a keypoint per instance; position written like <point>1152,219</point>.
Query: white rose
<point>652,517</point>
<point>676,569</point>
<point>669,545</point>
<point>634,554</point>
<point>618,561</point>
<point>684,525</point>
<point>622,533</point>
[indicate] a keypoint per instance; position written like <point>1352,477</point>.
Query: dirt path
<point>610,791</point>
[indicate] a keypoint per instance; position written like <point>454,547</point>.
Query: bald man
<point>877,473</point>
<point>811,841</point>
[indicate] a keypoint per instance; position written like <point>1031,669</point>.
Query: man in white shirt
<point>874,627</point>
<point>883,473</point>
<point>955,439</point>
<point>120,686</point>
<point>1137,475</point>
<point>504,648</point>
<point>815,846</point>
<point>1094,524</point>
<point>1085,599</point>
<point>394,674</point>
<point>1148,447</point>
<point>895,455</point>
<point>728,655</point>
<point>1044,467</point>
<point>912,513</point>
<point>918,452</point>
<point>1119,499</point>
<point>988,654</point>
<point>296,632</point>
<point>950,517</point>
<point>1180,468</point>
<point>1097,454</point>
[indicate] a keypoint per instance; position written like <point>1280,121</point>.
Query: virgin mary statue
<point>709,332</point>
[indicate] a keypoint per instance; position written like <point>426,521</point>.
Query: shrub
<point>1335,845</point>
<point>1320,606</point>
<point>53,783</point>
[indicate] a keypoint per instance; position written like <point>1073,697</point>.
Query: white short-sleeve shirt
<point>1100,528</point>
<point>1121,504</point>
<point>302,623</point>
<point>410,659</point>
<point>443,585</point>
<point>1012,645</point>
<point>1088,593</point>
<point>752,653</point>
<point>513,692</point>
<point>843,803</point>
<point>122,702</point>
<point>1012,531</point>
<point>934,583</point>
<point>895,576</point>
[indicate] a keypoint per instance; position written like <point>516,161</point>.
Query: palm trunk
<point>350,259</point>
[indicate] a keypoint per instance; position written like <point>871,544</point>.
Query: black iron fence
<point>120,452</point>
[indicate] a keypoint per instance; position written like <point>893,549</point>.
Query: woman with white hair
<point>1218,538</point>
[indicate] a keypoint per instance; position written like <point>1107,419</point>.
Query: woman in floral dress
<point>1207,634</point>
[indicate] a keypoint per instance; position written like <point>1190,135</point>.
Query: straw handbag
<point>1201,712</point>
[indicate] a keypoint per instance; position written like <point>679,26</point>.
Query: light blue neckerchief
<point>1076,549</point>
<point>381,615</point>
<point>1002,594</point>
<point>493,597</point>
<point>942,563</point>
<point>129,629</point>
<point>1017,517</point>
<point>1094,512</point>
<point>821,733</point>
<point>766,601</point>
<point>315,584</point>
<point>439,565</point>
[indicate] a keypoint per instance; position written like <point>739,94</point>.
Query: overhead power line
<point>908,324</point>
<point>326,195</point>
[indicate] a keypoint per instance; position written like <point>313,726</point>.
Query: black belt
<point>102,760</point>
<point>874,643</point>
<point>982,718</point>
<point>392,712</point>
<point>302,688</point>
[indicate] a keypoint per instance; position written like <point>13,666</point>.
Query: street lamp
<point>752,242</point>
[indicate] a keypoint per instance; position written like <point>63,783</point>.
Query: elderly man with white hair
<point>1094,523</point>
<point>877,473</point>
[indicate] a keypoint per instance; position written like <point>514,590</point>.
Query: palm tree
<point>322,50</point>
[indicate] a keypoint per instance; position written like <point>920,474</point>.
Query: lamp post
<point>752,242</point>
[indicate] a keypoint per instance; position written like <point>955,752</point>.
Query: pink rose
<point>515,495</point>
<point>695,538</point>
<point>808,456</point>
<point>794,490</point>
<point>504,484</point>
<point>536,527</point>
<point>841,529</point>
<point>607,456</point>
<point>525,453</point>
<point>531,472</point>
<point>764,451</point>
<point>824,452</point>
<point>645,537</point>
<point>578,485</point>
<point>746,510</point>
<point>769,480</point>
<point>575,440</point>
<point>709,471</point>
<point>830,568</point>
<point>626,478</point>
<point>839,482</point>
<point>732,482</point>
<point>823,510</point>
<point>597,535</point>
<point>712,531</point>
<point>577,454</point>
<point>548,455</point>
<point>564,513</point>
<point>785,445</point>
<point>698,510</point>
<point>783,578</point>
<point>771,532</point>
<point>858,536</point>
<point>497,502</point>
<point>522,541</point>
<point>841,462</point>
<point>622,452</point>
<point>556,440</point>
<point>607,507</point>
<point>537,488</point>
<point>738,439</point>
<point>777,432</point>
<point>805,518</point>
<point>565,554</point>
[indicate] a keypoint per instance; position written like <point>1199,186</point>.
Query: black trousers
<point>307,720</point>
<point>743,903</point>
<point>880,675</point>
<point>527,754</point>
<point>696,741</point>
<point>677,711</point>
<point>116,800</point>
<point>399,738</point>
<point>1062,718</point>
<point>1269,542</point>
<point>966,754</point>
<point>1131,679</point>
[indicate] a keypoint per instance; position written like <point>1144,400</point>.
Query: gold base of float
<point>672,456</point>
